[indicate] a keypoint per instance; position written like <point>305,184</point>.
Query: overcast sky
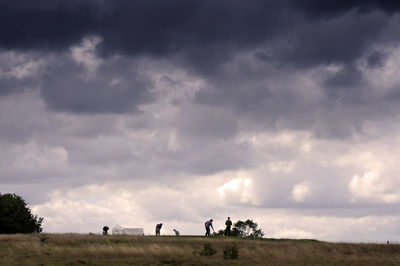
<point>139,112</point>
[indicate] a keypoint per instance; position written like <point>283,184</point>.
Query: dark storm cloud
<point>345,78</point>
<point>46,24</point>
<point>315,8</point>
<point>117,88</point>
<point>159,27</point>
<point>340,40</point>
<point>377,59</point>
<point>201,36</point>
<point>154,26</point>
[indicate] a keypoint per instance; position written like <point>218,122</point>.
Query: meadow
<point>79,249</point>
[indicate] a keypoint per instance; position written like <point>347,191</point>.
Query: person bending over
<point>209,224</point>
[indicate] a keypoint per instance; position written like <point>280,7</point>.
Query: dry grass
<point>74,249</point>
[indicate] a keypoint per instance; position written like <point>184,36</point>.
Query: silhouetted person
<point>105,230</point>
<point>208,224</point>
<point>158,228</point>
<point>176,232</point>
<point>228,224</point>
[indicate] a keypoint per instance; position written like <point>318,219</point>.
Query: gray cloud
<point>115,88</point>
<point>377,59</point>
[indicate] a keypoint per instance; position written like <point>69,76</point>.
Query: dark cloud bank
<point>160,27</point>
<point>204,37</point>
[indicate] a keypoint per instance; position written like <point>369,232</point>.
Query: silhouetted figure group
<point>208,225</point>
<point>227,232</point>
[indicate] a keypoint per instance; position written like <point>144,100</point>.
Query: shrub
<point>208,250</point>
<point>43,238</point>
<point>219,233</point>
<point>231,252</point>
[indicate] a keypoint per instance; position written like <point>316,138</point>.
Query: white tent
<point>119,230</point>
<point>133,231</point>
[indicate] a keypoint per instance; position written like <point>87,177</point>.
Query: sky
<point>140,112</point>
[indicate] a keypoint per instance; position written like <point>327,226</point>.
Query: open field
<point>76,249</point>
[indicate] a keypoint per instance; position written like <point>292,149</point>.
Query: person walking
<point>158,228</point>
<point>228,224</point>
<point>209,224</point>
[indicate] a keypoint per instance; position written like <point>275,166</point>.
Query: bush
<point>247,229</point>
<point>219,233</point>
<point>208,250</point>
<point>43,238</point>
<point>231,252</point>
<point>16,217</point>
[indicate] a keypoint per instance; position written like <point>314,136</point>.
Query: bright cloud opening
<point>301,191</point>
<point>239,188</point>
<point>85,55</point>
<point>371,186</point>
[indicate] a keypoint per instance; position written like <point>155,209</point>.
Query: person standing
<point>158,228</point>
<point>208,224</point>
<point>228,224</point>
<point>105,230</point>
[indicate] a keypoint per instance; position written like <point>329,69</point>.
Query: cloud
<point>316,9</point>
<point>84,55</point>
<point>19,72</point>
<point>376,59</point>
<point>372,187</point>
<point>294,234</point>
<point>237,189</point>
<point>301,191</point>
<point>111,87</point>
<point>175,26</point>
<point>363,229</point>
<point>140,112</point>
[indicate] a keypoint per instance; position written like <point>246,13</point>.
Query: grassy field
<point>76,249</point>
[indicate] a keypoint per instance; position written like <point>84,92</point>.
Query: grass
<point>78,249</point>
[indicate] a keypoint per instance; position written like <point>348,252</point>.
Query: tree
<point>16,217</point>
<point>246,229</point>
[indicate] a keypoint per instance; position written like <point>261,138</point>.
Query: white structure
<point>119,230</point>
<point>133,231</point>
